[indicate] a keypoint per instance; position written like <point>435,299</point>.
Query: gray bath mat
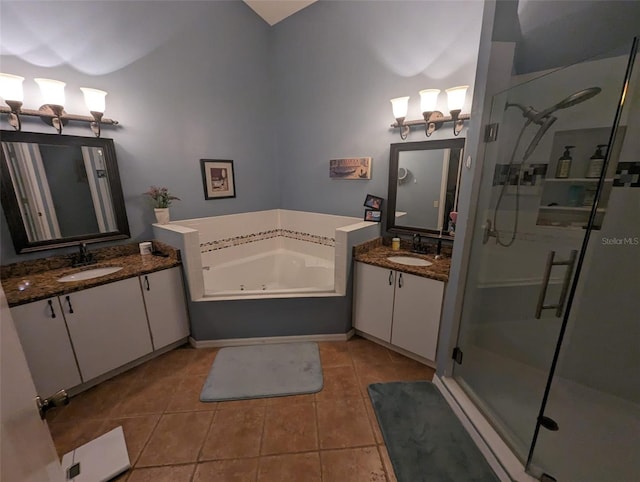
<point>425,439</point>
<point>259,371</point>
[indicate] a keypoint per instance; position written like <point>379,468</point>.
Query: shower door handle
<point>569,263</point>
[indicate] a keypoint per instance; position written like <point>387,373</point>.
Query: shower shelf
<point>577,179</point>
<point>571,208</point>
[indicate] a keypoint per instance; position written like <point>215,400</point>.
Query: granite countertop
<point>376,253</point>
<point>42,275</point>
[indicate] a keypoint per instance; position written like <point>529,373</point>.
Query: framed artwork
<point>217,178</point>
<point>372,215</point>
<point>353,168</point>
<point>373,202</point>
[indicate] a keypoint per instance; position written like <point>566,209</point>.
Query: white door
<point>27,453</point>
<point>416,316</point>
<point>373,300</point>
<point>164,297</point>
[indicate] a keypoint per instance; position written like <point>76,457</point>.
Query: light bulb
<point>11,87</point>
<point>400,106</point>
<point>456,97</point>
<point>428,100</point>
<point>52,91</point>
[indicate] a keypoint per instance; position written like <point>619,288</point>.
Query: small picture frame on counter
<point>372,215</point>
<point>373,202</point>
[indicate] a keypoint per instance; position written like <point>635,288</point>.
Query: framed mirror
<point>423,186</point>
<point>60,190</point>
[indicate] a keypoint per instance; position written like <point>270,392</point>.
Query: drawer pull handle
<point>146,282</point>
<point>390,278</point>
<point>69,303</point>
<point>400,281</point>
<point>53,313</point>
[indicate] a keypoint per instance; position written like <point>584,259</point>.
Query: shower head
<point>544,118</point>
<point>570,101</point>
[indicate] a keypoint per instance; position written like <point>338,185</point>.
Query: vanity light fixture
<point>432,119</point>
<point>53,96</point>
<point>400,105</point>
<point>52,111</point>
<point>455,98</point>
<point>11,92</point>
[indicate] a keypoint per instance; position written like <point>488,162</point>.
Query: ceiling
<point>272,11</point>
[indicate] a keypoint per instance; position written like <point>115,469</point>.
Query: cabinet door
<point>416,316</point>
<point>164,297</point>
<point>108,326</point>
<point>373,300</point>
<point>45,341</point>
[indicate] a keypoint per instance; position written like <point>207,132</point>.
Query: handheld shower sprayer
<point>544,118</point>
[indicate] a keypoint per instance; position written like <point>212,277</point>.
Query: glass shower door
<point>535,208</point>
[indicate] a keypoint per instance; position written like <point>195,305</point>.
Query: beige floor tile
<point>368,374</point>
<point>339,383</point>
<point>150,395</point>
<point>96,403</point>
<point>187,395</point>
<point>386,463</point>
<point>238,470</point>
<point>177,439</point>
<point>68,436</point>
<point>173,473</point>
<point>410,370</point>
<point>173,363</point>
<point>290,400</point>
<point>290,428</point>
<point>365,352</point>
<point>290,468</point>
<point>344,423</point>
<point>377,433</point>
<point>234,433</point>
<point>352,465</point>
<point>137,431</point>
<point>334,354</point>
<point>202,361</point>
<point>238,404</point>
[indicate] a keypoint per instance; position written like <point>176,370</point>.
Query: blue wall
<point>186,80</point>
<point>191,80</point>
<point>337,64</point>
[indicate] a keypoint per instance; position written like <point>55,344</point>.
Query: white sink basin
<point>89,274</point>
<point>409,261</point>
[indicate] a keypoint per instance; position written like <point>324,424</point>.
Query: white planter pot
<point>162,215</point>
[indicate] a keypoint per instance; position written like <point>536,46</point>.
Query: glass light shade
<point>400,106</point>
<point>52,91</point>
<point>456,97</point>
<point>428,100</point>
<point>94,98</point>
<point>11,87</point>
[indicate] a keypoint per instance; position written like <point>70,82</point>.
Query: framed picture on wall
<point>372,215</point>
<point>218,178</point>
<point>373,202</point>
<point>351,168</point>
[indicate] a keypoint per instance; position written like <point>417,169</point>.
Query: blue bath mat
<point>259,371</point>
<point>425,439</point>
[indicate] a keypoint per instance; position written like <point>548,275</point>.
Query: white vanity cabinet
<point>398,308</point>
<point>45,341</point>
<point>108,326</point>
<point>164,298</point>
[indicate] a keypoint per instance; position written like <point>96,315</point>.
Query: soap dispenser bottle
<point>564,163</point>
<point>596,162</point>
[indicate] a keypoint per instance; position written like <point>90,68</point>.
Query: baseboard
<point>397,349</point>
<point>268,340</point>
<point>501,459</point>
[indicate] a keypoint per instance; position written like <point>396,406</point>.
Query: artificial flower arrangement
<point>161,196</point>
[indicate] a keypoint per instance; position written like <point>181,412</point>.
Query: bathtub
<point>267,275</point>
<point>278,273</point>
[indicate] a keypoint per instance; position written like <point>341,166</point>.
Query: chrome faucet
<point>418,247</point>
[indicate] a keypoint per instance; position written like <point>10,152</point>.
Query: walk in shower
<point>549,342</point>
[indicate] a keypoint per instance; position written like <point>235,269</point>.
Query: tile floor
<point>172,436</point>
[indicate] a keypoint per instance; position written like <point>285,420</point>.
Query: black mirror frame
<point>394,157</point>
<point>10,202</point>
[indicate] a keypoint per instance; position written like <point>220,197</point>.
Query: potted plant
<point>161,200</point>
